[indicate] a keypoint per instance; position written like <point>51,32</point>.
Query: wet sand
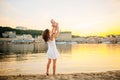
<point>109,75</point>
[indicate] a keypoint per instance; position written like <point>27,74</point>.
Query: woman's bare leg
<point>48,65</point>
<point>54,66</point>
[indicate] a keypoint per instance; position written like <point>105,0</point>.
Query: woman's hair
<point>45,35</point>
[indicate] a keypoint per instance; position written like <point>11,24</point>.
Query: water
<point>31,58</point>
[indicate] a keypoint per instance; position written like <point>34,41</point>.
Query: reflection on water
<point>31,58</point>
<point>96,57</point>
<point>31,48</point>
<point>22,48</point>
<point>19,51</point>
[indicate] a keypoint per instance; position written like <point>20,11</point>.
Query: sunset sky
<point>82,17</point>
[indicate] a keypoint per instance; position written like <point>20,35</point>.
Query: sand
<point>108,75</point>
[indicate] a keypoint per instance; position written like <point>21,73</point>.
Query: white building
<point>79,39</point>
<point>24,38</point>
<point>21,28</point>
<point>64,36</point>
<point>93,39</point>
<point>39,39</point>
<point>118,39</point>
<point>9,34</point>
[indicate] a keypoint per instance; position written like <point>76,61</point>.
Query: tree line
<point>20,32</point>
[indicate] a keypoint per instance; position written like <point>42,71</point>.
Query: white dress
<point>52,52</point>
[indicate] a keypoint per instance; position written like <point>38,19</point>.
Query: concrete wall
<point>64,36</point>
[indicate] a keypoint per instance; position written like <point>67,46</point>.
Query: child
<point>52,52</point>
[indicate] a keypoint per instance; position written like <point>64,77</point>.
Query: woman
<point>52,52</point>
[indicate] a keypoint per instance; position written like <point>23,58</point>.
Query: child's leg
<point>48,65</point>
<point>54,66</point>
<point>53,29</point>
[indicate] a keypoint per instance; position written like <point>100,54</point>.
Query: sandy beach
<point>108,75</point>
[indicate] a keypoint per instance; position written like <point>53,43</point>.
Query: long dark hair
<point>45,35</point>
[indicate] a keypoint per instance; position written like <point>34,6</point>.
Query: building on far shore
<point>64,36</point>
<point>25,38</point>
<point>118,38</point>
<point>21,28</point>
<point>9,34</point>
<point>39,39</point>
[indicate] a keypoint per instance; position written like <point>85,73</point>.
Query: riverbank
<point>109,75</point>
